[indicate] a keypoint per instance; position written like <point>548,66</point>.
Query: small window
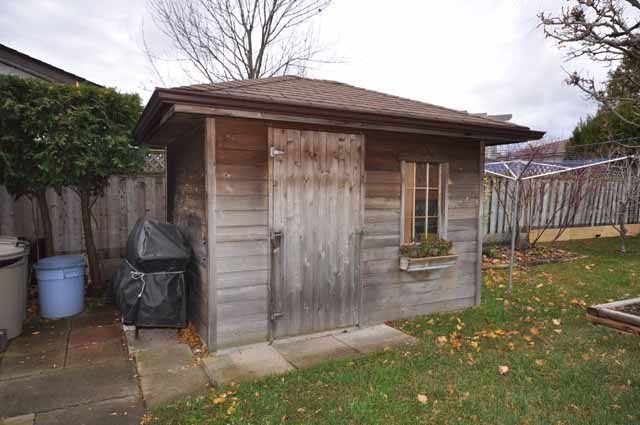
<point>422,200</point>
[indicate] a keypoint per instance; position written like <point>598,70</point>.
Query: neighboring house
<point>296,195</point>
<point>14,62</point>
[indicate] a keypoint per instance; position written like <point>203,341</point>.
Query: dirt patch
<point>498,256</point>
<point>633,309</point>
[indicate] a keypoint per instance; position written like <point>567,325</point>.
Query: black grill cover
<point>157,254</point>
<point>155,246</point>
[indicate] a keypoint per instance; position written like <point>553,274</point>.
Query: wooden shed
<point>296,195</point>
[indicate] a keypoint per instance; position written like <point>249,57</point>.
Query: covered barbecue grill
<point>149,287</point>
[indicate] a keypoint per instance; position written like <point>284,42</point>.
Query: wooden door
<point>316,212</point>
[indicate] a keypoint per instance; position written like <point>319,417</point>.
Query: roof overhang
<point>167,103</point>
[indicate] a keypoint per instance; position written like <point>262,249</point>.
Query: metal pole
<point>514,229</point>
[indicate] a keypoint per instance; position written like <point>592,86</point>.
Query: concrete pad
<point>246,364</point>
<point>121,411</point>
<point>88,355</point>
<point>102,317</point>
<point>40,336</point>
<point>305,353</point>
<point>160,388</point>
<point>88,336</point>
<point>66,387</point>
<point>15,365</point>
<point>151,339</point>
<point>170,358</point>
<point>19,420</point>
<point>374,338</point>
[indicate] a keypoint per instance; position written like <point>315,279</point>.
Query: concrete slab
<point>15,365</point>
<point>102,317</point>
<point>170,358</point>
<point>94,335</point>
<point>66,387</point>
<point>374,338</point>
<point>245,364</point>
<point>122,411</point>
<point>19,420</point>
<point>40,336</point>
<point>305,353</point>
<point>88,355</point>
<point>151,339</point>
<point>166,387</point>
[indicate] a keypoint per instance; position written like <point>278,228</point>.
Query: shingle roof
<point>307,92</point>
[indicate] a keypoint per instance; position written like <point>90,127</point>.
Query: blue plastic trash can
<point>60,285</point>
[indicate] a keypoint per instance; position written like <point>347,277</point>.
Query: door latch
<point>276,314</point>
<point>276,152</point>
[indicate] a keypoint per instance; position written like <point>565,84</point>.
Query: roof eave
<point>494,135</point>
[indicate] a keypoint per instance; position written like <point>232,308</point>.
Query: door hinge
<point>276,314</point>
<point>276,152</point>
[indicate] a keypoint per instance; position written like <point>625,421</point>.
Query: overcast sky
<point>480,56</point>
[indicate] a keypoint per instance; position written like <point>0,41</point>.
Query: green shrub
<point>431,246</point>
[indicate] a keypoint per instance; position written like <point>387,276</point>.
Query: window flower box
<point>427,263</point>
<point>431,253</point>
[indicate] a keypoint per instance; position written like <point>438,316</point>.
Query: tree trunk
<point>43,206</point>
<point>623,227</point>
<point>92,255</point>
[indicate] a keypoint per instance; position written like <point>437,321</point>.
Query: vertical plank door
<point>315,213</point>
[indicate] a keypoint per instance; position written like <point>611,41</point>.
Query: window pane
<point>421,174</point>
<point>408,202</point>
<point>434,172</point>
<point>421,202</point>
<point>419,229</point>
<point>433,226</point>
<point>433,203</point>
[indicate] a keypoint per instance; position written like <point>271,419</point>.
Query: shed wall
<point>242,234</point>
<point>390,293</point>
<point>186,209</point>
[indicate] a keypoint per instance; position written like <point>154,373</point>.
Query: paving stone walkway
<point>70,371</point>
<point>86,370</point>
<point>259,360</point>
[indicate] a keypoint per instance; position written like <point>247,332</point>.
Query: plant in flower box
<point>431,253</point>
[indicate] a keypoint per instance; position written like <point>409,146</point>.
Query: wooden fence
<point>553,203</point>
<point>126,199</point>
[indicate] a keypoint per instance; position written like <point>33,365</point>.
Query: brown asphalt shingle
<point>293,90</point>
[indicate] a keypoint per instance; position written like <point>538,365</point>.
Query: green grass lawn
<point>561,368</point>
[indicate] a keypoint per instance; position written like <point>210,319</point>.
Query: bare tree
<point>239,39</point>
<point>627,174</point>
<point>606,31</point>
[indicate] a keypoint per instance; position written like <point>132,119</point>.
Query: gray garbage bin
<point>14,259</point>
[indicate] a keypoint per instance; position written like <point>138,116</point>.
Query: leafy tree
<point>87,138</point>
<point>26,122</point>
<point>609,124</point>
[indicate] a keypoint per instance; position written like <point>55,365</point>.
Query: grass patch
<point>561,368</point>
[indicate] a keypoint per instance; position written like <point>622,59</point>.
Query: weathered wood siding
<point>390,293</point>
<point>242,241</point>
<point>126,199</point>
<point>242,235</point>
<point>186,209</point>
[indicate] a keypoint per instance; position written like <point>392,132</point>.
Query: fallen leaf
<point>441,340</point>
<point>556,322</point>
<point>503,370</point>
<point>423,398</point>
<point>586,357</point>
<point>540,362</point>
<point>534,331</point>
